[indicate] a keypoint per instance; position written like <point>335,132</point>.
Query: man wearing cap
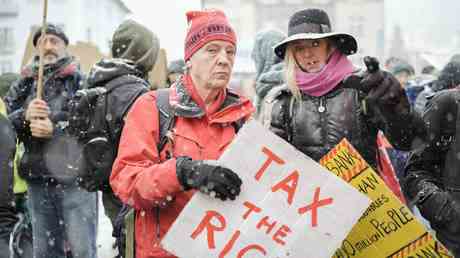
<point>61,211</point>
<point>159,183</point>
<point>327,100</point>
<point>175,70</point>
<point>134,50</point>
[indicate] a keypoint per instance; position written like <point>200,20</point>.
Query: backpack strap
<point>112,85</point>
<point>166,116</point>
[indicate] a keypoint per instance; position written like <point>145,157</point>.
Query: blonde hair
<point>290,71</point>
<point>291,67</point>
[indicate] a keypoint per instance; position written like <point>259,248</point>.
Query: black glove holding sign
<point>383,89</point>
<point>202,175</point>
<point>439,208</point>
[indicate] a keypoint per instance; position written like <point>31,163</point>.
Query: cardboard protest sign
<point>387,228</point>
<point>159,72</point>
<point>289,206</point>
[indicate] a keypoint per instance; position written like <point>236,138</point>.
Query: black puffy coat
<point>124,84</point>
<point>432,178</point>
<point>46,159</point>
<point>7,150</point>
<point>315,125</point>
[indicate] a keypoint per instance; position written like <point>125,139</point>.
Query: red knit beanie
<point>205,26</point>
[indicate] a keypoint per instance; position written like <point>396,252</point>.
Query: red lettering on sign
<point>271,157</point>
<point>282,232</point>
<point>251,207</point>
<point>228,247</point>
<point>249,248</point>
<point>314,207</point>
<point>289,185</point>
<point>210,228</point>
<point>230,244</point>
<point>264,222</point>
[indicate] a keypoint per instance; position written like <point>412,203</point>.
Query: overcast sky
<point>167,20</point>
<point>433,22</point>
<point>422,21</point>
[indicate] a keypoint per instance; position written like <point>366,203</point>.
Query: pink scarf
<point>318,84</point>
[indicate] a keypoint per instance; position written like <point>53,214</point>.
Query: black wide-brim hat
<point>315,24</point>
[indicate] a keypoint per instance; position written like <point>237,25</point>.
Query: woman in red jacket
<point>158,183</point>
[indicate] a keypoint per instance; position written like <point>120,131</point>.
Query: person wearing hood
<point>269,67</point>
<point>327,100</point>
<point>432,181</point>
<point>449,76</point>
<point>134,50</point>
<point>62,212</point>
<point>158,183</point>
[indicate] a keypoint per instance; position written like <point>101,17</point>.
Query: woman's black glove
<point>217,181</point>
<point>384,90</point>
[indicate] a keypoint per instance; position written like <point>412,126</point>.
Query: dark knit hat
<point>402,67</point>
<point>50,29</point>
<point>205,26</point>
<point>176,66</point>
<point>450,76</point>
<point>315,24</point>
<point>135,42</point>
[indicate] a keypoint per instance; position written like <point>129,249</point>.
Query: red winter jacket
<point>147,180</point>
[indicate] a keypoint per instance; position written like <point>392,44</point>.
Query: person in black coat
<point>328,99</point>
<point>7,208</point>
<point>432,179</point>
<point>62,212</point>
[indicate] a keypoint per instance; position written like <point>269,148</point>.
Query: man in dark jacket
<point>135,49</point>
<point>61,210</point>
<point>432,181</point>
<point>7,209</point>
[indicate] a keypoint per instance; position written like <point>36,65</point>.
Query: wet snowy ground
<point>105,240</point>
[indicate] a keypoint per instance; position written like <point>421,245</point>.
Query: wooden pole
<point>42,52</point>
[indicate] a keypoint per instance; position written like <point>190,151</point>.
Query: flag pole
<point>42,52</point>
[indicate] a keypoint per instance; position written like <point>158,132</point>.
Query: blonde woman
<point>325,100</point>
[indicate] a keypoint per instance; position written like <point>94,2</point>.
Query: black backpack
<point>93,126</point>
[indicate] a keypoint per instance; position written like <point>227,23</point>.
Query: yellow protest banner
<point>387,228</point>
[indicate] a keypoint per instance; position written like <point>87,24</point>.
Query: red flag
<point>385,167</point>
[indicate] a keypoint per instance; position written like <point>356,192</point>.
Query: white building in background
<point>82,20</point>
<point>362,18</point>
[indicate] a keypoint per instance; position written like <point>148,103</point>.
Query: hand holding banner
<point>387,228</point>
<point>289,206</point>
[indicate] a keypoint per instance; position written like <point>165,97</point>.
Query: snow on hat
<point>315,24</point>
<point>50,29</point>
<point>135,42</point>
<point>205,26</point>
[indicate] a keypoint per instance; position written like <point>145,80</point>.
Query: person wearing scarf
<point>64,216</point>
<point>158,183</point>
<point>328,99</point>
